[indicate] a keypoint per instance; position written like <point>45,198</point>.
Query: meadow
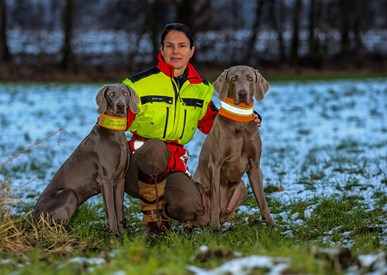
<point>324,164</point>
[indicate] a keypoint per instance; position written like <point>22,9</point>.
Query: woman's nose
<point>175,49</point>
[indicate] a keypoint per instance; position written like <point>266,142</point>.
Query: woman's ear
<point>192,51</point>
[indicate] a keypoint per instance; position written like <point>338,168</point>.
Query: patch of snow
<point>245,265</point>
<point>309,210</point>
<point>92,261</point>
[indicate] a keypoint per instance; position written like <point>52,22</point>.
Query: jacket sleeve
<point>205,124</point>
<point>130,118</point>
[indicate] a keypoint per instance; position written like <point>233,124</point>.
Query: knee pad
<point>153,157</point>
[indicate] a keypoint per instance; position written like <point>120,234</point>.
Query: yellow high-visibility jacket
<point>167,111</point>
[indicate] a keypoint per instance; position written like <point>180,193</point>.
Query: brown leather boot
<point>154,229</point>
<point>152,202</point>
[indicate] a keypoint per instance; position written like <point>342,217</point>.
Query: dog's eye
<point>111,94</point>
<point>125,94</point>
<point>250,78</point>
<point>234,78</point>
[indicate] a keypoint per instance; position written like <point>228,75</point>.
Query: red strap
<point>179,155</point>
<point>130,118</point>
<point>179,158</point>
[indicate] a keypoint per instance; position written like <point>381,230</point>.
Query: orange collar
<point>241,112</point>
<point>112,122</point>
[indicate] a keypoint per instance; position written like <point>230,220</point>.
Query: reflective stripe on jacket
<point>166,111</point>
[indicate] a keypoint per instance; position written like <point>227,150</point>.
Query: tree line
<point>310,33</point>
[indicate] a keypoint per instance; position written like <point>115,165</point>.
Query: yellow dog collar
<point>112,122</point>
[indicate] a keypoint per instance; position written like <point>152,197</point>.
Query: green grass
<point>334,223</point>
<point>346,221</point>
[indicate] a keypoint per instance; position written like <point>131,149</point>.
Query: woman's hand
<point>257,119</point>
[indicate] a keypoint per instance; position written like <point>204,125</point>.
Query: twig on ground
<point>31,146</point>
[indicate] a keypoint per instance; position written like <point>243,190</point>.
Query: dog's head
<point>241,83</point>
<point>114,100</point>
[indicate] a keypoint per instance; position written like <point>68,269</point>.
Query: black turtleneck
<point>182,78</point>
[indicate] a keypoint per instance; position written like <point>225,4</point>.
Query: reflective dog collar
<point>241,112</point>
<point>112,122</point>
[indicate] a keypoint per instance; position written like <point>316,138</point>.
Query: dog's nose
<point>242,94</point>
<point>120,106</point>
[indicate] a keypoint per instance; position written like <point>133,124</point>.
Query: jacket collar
<point>167,69</point>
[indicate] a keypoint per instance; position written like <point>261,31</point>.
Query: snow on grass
<point>320,139</point>
<point>315,129</point>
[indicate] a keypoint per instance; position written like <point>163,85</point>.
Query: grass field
<point>324,164</point>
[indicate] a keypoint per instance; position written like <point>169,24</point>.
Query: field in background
<point>324,143</point>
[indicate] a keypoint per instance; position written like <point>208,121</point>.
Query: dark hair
<point>177,27</point>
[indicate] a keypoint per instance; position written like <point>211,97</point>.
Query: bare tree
<point>67,62</point>
<point>185,12</point>
<point>254,33</point>
<point>194,13</point>
<point>155,20</point>
<point>313,42</point>
<point>345,27</point>
<point>294,56</point>
<point>358,22</point>
<point>5,55</point>
<point>276,9</point>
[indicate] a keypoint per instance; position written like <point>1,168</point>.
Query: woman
<point>173,101</point>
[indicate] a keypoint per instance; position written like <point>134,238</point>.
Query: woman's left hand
<point>257,119</point>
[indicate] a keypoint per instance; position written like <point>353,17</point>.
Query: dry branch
<point>30,147</point>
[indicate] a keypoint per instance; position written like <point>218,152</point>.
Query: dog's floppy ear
<point>261,87</point>
<point>220,85</point>
<point>101,100</point>
<point>133,104</point>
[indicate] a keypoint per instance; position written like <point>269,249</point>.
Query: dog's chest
<point>240,128</point>
<point>236,159</point>
<point>241,146</point>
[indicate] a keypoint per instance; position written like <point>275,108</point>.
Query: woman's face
<point>176,51</point>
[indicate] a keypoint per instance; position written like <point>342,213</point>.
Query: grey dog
<point>98,165</point>
<point>232,148</point>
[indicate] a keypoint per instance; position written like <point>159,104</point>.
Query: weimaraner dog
<point>98,165</point>
<point>232,148</point>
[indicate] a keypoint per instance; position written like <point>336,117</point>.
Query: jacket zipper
<point>175,89</point>
<point>166,123</point>
<point>185,117</point>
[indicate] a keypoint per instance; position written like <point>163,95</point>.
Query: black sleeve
<point>213,107</point>
<point>259,116</point>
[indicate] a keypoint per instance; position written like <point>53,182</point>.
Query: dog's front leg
<point>109,203</point>
<point>119,189</point>
<point>215,193</point>
<point>255,178</point>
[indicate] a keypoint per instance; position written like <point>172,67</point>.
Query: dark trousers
<point>182,198</point>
